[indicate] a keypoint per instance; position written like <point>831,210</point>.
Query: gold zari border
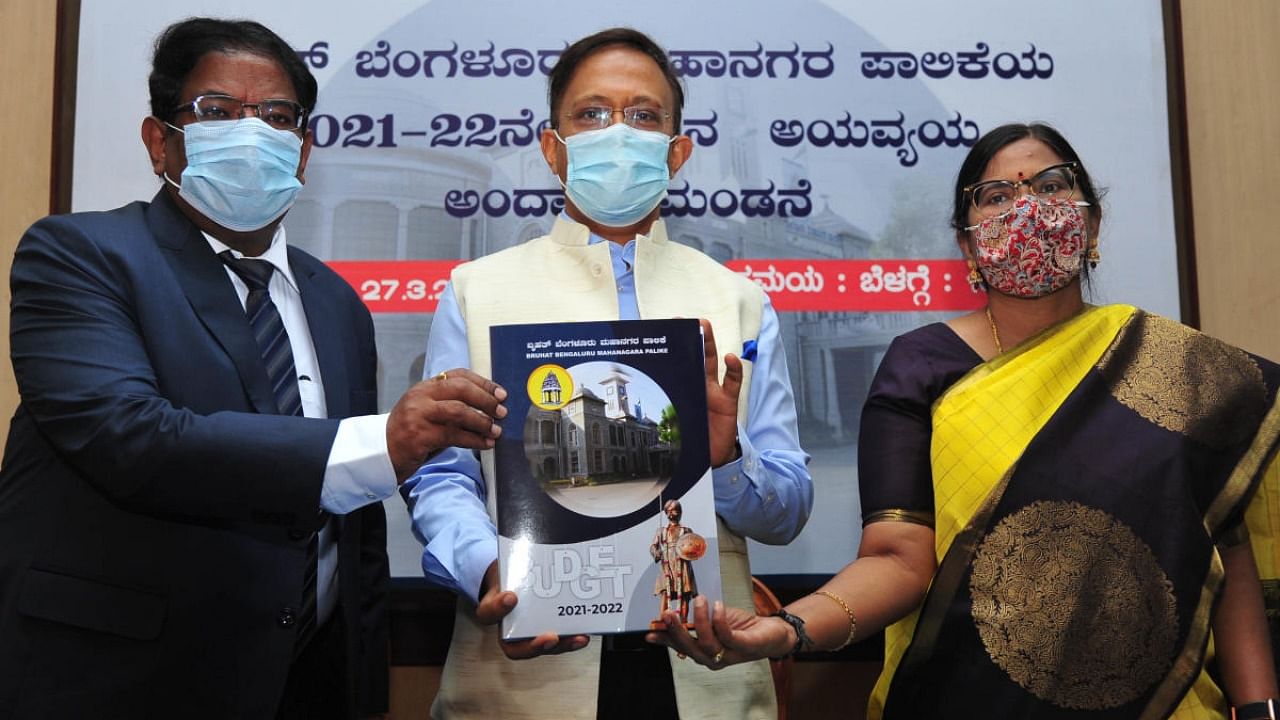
<point>1246,470</point>
<point>1187,665</point>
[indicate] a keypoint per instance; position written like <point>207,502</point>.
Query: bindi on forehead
<point>1020,160</point>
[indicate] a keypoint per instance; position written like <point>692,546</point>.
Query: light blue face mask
<point>241,174</point>
<point>617,175</point>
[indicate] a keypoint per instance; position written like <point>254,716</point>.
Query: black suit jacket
<point>154,514</point>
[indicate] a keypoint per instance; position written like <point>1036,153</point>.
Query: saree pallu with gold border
<point>1082,485</point>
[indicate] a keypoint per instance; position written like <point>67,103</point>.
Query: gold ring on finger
<point>719,656</point>
<point>443,376</point>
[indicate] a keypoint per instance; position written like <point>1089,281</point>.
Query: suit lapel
<point>322,310</point>
<point>211,295</point>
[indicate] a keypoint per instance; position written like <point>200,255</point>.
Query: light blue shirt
<point>766,494</point>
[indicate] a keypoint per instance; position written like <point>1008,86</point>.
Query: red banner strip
<point>863,285</point>
<point>414,286</point>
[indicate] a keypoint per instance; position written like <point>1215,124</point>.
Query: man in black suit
<point>190,522</point>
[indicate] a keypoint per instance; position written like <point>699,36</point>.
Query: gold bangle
<point>853,620</point>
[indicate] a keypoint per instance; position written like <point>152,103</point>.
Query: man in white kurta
<point>608,258</point>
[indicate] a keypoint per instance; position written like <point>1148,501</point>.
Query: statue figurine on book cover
<point>675,547</point>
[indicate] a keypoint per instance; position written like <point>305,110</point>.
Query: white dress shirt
<point>359,470</point>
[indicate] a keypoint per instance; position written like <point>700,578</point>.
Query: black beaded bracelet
<point>802,637</point>
<point>1261,710</point>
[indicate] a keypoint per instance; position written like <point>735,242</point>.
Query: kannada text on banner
<point>793,285</point>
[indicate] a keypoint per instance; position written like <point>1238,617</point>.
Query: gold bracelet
<point>853,621</point>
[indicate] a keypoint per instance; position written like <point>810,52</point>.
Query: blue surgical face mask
<point>617,175</point>
<point>241,174</point>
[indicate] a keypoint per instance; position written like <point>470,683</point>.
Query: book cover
<point>603,475</point>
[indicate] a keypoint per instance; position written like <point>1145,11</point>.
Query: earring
<point>1092,255</point>
<point>975,280</point>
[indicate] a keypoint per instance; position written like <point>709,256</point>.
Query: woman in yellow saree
<point>1061,502</point>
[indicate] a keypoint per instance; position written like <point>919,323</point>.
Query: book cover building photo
<point>606,516</point>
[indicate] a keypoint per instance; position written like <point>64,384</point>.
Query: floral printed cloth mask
<point>1034,249</point>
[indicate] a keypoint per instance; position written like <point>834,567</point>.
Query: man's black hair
<point>573,56</point>
<point>181,46</point>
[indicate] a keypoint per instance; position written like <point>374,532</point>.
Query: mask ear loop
<point>563,142</point>
<point>671,141</point>
<point>554,172</point>
<point>164,174</point>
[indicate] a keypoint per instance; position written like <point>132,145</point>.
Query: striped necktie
<point>268,331</point>
<point>277,356</point>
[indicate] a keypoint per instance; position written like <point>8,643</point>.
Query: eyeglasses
<point>638,117</point>
<point>996,197</point>
<point>279,114</point>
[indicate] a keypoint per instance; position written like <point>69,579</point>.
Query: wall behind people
<point>1233,134</point>
<point>28,29</point>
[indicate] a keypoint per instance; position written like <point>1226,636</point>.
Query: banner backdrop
<point>827,136</point>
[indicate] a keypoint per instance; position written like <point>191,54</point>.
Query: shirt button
<point>596,270</point>
<point>287,617</point>
<point>371,496</point>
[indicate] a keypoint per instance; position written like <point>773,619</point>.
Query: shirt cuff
<point>473,554</point>
<point>733,479</point>
<point>359,470</point>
